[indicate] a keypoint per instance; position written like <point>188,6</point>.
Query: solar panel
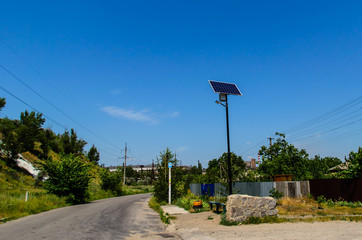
<point>226,88</point>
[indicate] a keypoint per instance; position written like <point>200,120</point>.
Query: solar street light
<point>225,89</point>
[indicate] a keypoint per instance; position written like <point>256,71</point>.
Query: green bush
<point>274,193</point>
<point>153,203</point>
<point>69,177</point>
<point>111,181</point>
<point>321,199</point>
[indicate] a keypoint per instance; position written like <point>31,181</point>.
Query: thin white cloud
<point>248,143</point>
<point>115,91</point>
<point>181,149</point>
<point>140,116</point>
<point>174,114</point>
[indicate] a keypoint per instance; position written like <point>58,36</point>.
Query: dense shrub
<point>111,181</point>
<point>69,177</point>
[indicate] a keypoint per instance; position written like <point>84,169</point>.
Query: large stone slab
<point>240,207</point>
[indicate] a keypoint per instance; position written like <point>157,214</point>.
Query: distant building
<point>250,164</point>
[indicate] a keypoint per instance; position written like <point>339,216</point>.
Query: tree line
<point>28,135</point>
<point>280,158</point>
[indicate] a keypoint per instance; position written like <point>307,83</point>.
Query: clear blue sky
<point>138,71</point>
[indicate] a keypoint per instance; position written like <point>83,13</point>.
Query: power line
<point>254,146</point>
<point>49,118</point>
<point>323,127</point>
<point>39,74</point>
<point>341,136</point>
<point>331,130</point>
<point>51,104</point>
<point>319,119</point>
<point>327,115</point>
<point>36,110</point>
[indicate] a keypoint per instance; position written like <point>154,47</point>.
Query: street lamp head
<point>222,97</point>
<point>217,102</point>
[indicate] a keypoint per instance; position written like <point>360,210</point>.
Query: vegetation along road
<point>126,217</point>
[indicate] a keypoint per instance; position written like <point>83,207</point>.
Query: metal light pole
<point>224,98</point>
<point>225,89</point>
<point>229,155</point>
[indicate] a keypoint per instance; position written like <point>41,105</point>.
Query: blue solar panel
<point>226,88</point>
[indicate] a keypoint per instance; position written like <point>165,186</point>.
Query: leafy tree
<point>30,131</point>
<point>69,177</point>
<point>9,138</point>
<point>161,184</point>
<point>70,144</point>
<point>284,158</point>
<point>199,167</point>
<point>217,170</point>
<point>112,181</point>
<point>2,103</point>
<point>8,135</point>
<point>354,163</point>
<point>332,161</point>
<point>93,155</point>
<point>318,167</point>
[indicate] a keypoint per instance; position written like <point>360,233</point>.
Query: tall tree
<point>93,155</point>
<point>354,164</point>
<point>318,167</point>
<point>199,167</point>
<point>2,103</point>
<point>70,143</point>
<point>30,131</point>
<point>283,158</point>
<point>217,168</point>
<point>332,161</point>
<point>161,184</point>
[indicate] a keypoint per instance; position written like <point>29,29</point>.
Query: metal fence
<point>260,189</point>
<point>337,189</point>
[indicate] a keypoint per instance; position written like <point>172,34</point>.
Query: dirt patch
<point>205,225</point>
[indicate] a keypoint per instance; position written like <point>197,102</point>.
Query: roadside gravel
<point>205,226</point>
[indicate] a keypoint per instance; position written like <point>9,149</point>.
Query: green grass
<point>306,210</point>
<point>131,190</point>
<point>13,188</point>
<point>14,184</point>
<point>155,205</point>
<point>186,202</point>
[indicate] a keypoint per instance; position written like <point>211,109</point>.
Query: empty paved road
<point>126,217</point>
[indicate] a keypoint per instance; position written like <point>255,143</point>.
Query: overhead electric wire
<point>334,112</point>
<point>39,74</point>
<point>340,137</point>
<point>49,118</point>
<point>323,125</point>
<point>331,130</point>
<point>327,115</point>
<point>58,109</point>
<point>254,146</point>
<point>36,110</point>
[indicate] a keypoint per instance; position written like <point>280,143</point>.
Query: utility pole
<point>270,144</point>
<point>175,160</point>
<point>153,171</point>
<point>125,165</point>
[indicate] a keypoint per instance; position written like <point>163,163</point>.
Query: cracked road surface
<point>126,217</point>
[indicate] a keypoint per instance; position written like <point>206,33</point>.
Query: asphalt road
<point>126,217</point>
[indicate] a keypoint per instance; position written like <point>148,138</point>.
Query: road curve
<point>126,217</point>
